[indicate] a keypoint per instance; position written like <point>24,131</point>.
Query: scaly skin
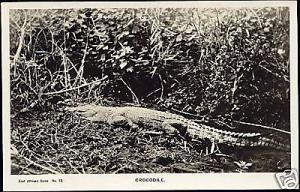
<point>154,118</point>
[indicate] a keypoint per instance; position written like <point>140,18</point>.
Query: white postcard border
<point>127,181</point>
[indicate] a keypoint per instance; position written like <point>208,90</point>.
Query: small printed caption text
<point>157,180</point>
<point>40,181</point>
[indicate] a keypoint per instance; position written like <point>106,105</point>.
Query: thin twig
<point>85,51</point>
<point>162,87</point>
<point>20,46</point>
<point>153,92</point>
<point>276,74</point>
<point>64,56</point>
<point>29,87</point>
<point>225,124</point>
<point>74,168</point>
<point>186,113</point>
<point>153,132</point>
<point>24,168</point>
<point>74,88</point>
<point>240,122</point>
<point>256,17</point>
<point>263,126</point>
<point>135,98</point>
<point>41,166</point>
<point>183,169</point>
<point>121,168</point>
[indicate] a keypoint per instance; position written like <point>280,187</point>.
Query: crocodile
<point>134,116</point>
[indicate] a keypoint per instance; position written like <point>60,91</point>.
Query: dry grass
<point>57,142</point>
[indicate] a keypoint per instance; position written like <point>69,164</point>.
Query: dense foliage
<point>219,63</point>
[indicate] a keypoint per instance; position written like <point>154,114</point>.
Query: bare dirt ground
<point>59,142</point>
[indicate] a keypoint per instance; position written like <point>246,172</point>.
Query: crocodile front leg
<point>120,120</point>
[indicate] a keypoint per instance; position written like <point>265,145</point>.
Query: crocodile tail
<point>239,139</point>
<point>258,140</point>
<point>275,144</point>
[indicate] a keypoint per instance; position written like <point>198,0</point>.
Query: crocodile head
<point>92,112</point>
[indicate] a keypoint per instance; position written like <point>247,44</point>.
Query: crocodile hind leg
<point>179,128</point>
<point>174,126</point>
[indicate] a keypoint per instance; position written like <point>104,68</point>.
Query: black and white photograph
<point>150,90</point>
